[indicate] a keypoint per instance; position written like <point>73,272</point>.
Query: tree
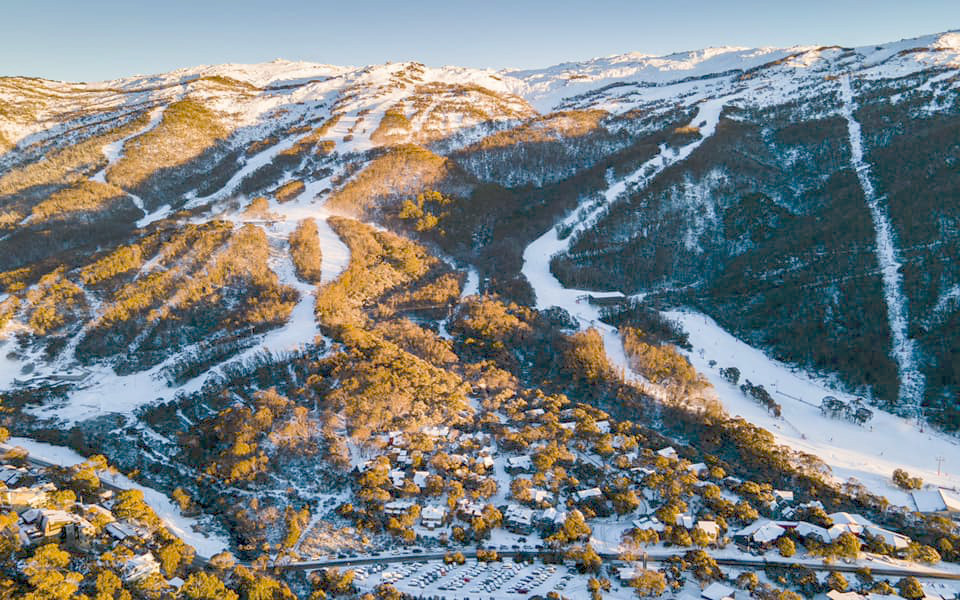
<point>836,581</point>
<point>904,481</point>
<point>846,546</point>
<point>910,588</point>
<point>575,526</point>
<point>48,576</point>
<point>747,580</point>
<point>203,586</point>
<point>649,583</point>
<point>786,547</point>
<point>587,559</point>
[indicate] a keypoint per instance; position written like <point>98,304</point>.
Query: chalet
<point>685,521</point>
<point>540,497</point>
<point>469,510</point>
<point>519,464</point>
<point>835,595</point>
<point>809,530</point>
<point>436,431</point>
<point>710,528</point>
<point>420,478</point>
<point>894,540</point>
<point>940,502</point>
<point>668,452</point>
<point>518,519</point>
<point>603,426</point>
<point>486,460</point>
<point>782,496</point>
<point>140,567</point>
<point>397,478</point>
<point>552,518</point>
<point>583,495</point>
<point>717,591</point>
<point>432,517</point>
<point>397,507</point>
<point>648,524</point>
<point>698,469</point>
<point>760,533</point>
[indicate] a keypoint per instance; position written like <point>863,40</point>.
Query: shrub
<point>305,251</point>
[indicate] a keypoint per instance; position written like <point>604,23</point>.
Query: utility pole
<point>940,460</point>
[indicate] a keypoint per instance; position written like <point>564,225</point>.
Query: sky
<point>92,40</point>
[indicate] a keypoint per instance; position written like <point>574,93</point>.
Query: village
<point>570,487</point>
<point>53,509</point>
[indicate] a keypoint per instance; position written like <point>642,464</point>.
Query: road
<point>658,557</point>
<point>759,563</point>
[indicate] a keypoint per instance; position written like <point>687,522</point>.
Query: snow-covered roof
<point>433,513</point>
<point>899,542</point>
<point>668,452</point>
<point>717,591</point>
<point>761,531</point>
<point>845,518</point>
<point>709,527</point>
<point>588,493</point>
<point>930,501</point>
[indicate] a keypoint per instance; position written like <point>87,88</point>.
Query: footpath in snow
<point>206,545</point>
<point>904,349</point>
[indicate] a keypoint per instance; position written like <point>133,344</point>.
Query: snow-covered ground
<point>869,453</point>
<point>206,544</point>
<point>108,392</point>
<point>904,347</point>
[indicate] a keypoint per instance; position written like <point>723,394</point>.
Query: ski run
<point>904,351</point>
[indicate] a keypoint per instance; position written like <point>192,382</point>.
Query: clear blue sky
<point>85,40</point>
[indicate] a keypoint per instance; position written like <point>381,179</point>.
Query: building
<point>139,567</point>
<point>541,497</point>
<point>583,495</point>
<point>717,591</point>
<point>668,452</point>
<point>24,498</point>
<point>432,517</point>
<point>397,507</point>
<point>648,523</point>
<point>940,502</point>
<point>519,464</point>
<point>760,533</point>
<point>710,528</point>
<point>518,519</point>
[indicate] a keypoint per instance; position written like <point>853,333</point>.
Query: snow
<point>206,545</point>
<point>904,351</point>
<point>869,453</point>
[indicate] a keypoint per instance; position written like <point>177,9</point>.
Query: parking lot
<point>480,580</point>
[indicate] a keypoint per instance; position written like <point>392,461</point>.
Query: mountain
<point>211,274</point>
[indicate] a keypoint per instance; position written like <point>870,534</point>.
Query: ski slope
<point>904,349</point>
<point>536,257</point>
<point>868,453</point>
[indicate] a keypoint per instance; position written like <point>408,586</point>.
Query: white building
<point>432,517</point>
